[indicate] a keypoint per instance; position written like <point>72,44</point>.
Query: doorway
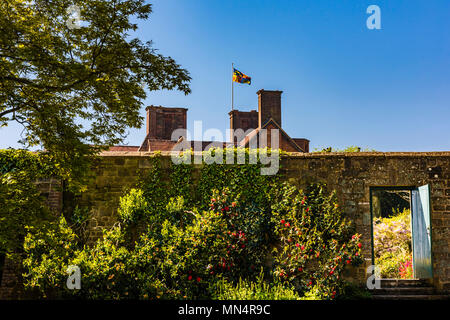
<point>401,232</point>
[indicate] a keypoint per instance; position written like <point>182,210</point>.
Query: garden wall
<point>350,174</point>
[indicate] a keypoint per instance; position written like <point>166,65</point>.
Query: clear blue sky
<point>343,84</point>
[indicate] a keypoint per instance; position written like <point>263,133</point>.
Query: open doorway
<point>392,234</point>
<point>401,232</point>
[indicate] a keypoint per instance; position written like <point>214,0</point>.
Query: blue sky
<point>342,83</point>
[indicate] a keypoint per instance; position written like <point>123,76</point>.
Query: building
<point>163,121</point>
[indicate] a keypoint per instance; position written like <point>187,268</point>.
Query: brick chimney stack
<point>244,120</point>
<point>269,106</point>
<point>161,121</point>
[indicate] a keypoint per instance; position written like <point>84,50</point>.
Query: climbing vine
<point>185,229</point>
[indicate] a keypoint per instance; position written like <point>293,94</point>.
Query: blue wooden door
<point>421,232</point>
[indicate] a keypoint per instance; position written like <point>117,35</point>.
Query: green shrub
<point>315,241</point>
<point>21,202</point>
<point>21,206</point>
<point>49,250</point>
<point>132,207</point>
<point>210,244</point>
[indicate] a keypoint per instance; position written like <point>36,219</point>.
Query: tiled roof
<point>123,148</point>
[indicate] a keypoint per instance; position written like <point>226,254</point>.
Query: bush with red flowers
<point>315,242</point>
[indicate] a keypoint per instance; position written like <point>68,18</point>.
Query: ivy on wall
<point>244,181</point>
<point>35,163</point>
<point>185,229</point>
<point>21,202</point>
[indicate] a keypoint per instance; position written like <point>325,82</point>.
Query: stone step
<point>412,297</point>
<point>392,283</point>
<point>403,291</point>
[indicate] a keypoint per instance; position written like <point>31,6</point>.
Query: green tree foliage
<point>74,89</point>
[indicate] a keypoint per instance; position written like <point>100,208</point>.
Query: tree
<point>77,88</point>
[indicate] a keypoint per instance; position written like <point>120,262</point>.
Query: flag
<point>240,77</point>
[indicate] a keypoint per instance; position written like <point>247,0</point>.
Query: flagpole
<point>232,87</point>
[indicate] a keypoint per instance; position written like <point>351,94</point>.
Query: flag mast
<point>232,87</point>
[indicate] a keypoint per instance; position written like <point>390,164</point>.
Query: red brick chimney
<point>269,106</point>
<point>244,120</point>
<point>161,121</point>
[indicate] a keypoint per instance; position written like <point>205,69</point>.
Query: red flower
<point>227,208</point>
<point>198,279</point>
<point>282,221</point>
<point>233,204</point>
<point>307,209</point>
<point>297,245</point>
<point>331,272</point>
<point>348,261</point>
<point>213,200</point>
<point>190,278</point>
<point>300,269</point>
<point>303,202</point>
<point>287,224</point>
<point>359,245</point>
<point>303,248</point>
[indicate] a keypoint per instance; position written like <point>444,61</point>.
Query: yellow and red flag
<point>240,77</point>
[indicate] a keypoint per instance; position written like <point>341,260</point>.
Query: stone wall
<point>350,174</point>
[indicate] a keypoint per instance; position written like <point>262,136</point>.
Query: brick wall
<point>161,121</point>
<point>269,106</point>
<point>244,120</point>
